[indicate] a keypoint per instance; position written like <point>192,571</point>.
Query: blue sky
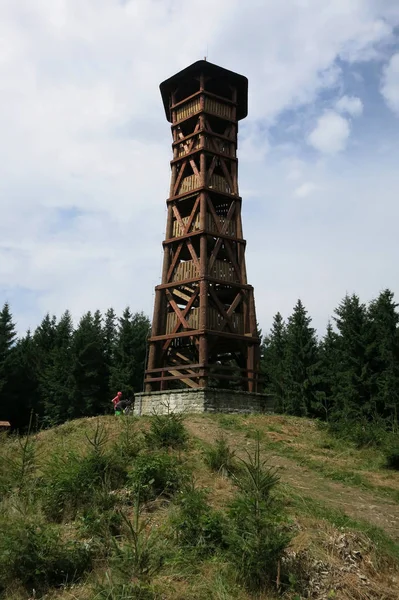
<point>85,148</point>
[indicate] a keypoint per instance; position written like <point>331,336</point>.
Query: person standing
<point>115,402</point>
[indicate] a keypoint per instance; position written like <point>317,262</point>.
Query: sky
<point>85,148</point>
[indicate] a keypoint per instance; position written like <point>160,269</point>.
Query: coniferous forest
<point>350,375</point>
<point>59,372</point>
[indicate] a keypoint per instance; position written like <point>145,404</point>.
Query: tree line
<point>351,374</point>
<point>59,372</point>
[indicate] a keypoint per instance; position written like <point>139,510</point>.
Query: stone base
<point>200,401</point>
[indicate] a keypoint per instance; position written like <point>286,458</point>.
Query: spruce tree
<point>127,373</point>
<point>302,363</point>
<point>109,336</point>
<point>273,360</point>
<point>325,396</point>
<point>24,386</point>
<point>8,410</point>
<point>89,366</point>
<point>58,384</point>
<point>43,343</point>
<point>353,393</point>
<point>384,357</point>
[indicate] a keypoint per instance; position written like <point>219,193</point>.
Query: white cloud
<point>350,105</point>
<point>82,126</point>
<point>390,83</point>
<point>330,134</point>
<point>305,189</point>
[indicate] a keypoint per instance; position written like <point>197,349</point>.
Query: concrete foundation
<point>200,401</point>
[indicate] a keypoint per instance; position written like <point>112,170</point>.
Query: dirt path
<point>354,502</point>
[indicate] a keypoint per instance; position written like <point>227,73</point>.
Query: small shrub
<point>219,457</point>
<point>167,431</point>
<point>35,555</point>
<point>362,433</point>
<point>137,553</point>
<point>257,538</point>
<point>100,520</point>
<point>73,482</point>
<point>18,465</point>
<point>157,474</point>
<point>197,526</point>
<point>392,458</point>
<point>130,441</point>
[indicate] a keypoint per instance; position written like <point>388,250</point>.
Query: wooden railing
<point>218,145</point>
<point>224,271</point>
<point>218,108</point>
<point>212,106</point>
<point>216,182</point>
<point>185,270</point>
<point>210,225</point>
<point>221,269</point>
<point>214,321</point>
<point>186,110</point>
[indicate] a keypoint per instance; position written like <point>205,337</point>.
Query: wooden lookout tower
<point>204,329</point>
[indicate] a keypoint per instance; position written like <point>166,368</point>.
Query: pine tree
<point>325,396</point>
<point>128,371</point>
<point>8,410</point>
<point>43,342</point>
<point>384,357</point>
<point>24,386</point>
<point>273,362</point>
<point>58,384</point>
<point>353,393</point>
<point>302,364</point>
<point>89,365</point>
<point>110,336</point>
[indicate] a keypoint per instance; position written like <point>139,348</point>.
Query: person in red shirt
<point>117,399</point>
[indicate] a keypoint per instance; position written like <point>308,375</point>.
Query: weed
<point>392,458</point>
<point>129,442</point>
<point>111,590</point>
<point>197,526</point>
<point>18,465</point>
<point>157,474</point>
<point>319,510</point>
<point>230,422</point>
<point>219,457</point>
<point>71,482</point>
<point>167,431</point>
<point>34,554</point>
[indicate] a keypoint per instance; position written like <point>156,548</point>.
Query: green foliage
<point>127,370</point>
<point>129,442</point>
<point>257,538</point>
<point>73,482</point>
<point>111,590</point>
<point>198,527</point>
<point>167,431</point>
<point>219,457</point>
<point>157,474</point>
<point>274,350</point>
<point>392,458</point>
<point>362,433</point>
<point>34,554</point>
<point>138,552</point>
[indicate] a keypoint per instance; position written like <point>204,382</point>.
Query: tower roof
<point>214,72</point>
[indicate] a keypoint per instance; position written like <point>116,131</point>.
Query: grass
<point>324,455</point>
<point>306,505</point>
<point>182,529</point>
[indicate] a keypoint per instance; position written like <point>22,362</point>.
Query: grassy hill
<point>122,508</point>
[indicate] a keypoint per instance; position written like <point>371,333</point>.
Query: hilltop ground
<point>341,504</point>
